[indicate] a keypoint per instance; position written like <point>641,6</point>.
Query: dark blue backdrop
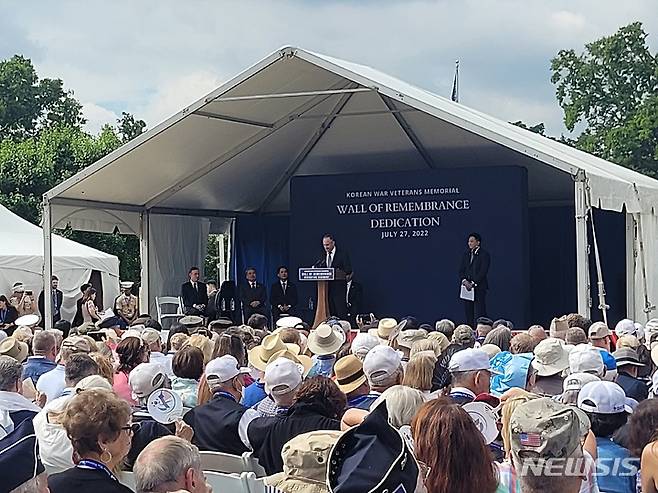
<point>418,272</point>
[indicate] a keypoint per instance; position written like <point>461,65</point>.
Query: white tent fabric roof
<point>300,113</point>
<point>21,260</point>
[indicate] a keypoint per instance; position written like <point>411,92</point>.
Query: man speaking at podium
<point>340,261</point>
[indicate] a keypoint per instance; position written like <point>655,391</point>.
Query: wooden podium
<point>321,276</point>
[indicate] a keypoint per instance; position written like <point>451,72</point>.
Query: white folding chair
<point>254,484</point>
<point>232,483</point>
<point>161,301</point>
<point>251,464</point>
<point>221,462</point>
<point>128,479</point>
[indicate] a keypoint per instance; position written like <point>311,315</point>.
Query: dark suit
<point>57,308</point>
<point>279,297</point>
<point>354,301</point>
<point>191,297</point>
<point>248,295</point>
<point>212,312</point>
<point>338,288</point>
<point>474,267</point>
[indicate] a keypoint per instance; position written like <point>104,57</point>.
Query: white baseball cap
<point>224,368</point>
<point>145,378</point>
<point>470,359</point>
<point>381,362</point>
<point>577,381</point>
<point>150,336</point>
<point>603,398</point>
<point>585,359</point>
<point>362,344</point>
<point>625,327</point>
<point>282,376</point>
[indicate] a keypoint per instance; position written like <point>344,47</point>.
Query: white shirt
<point>463,390</point>
<point>347,295</point>
<point>52,383</point>
<point>163,360</point>
<point>55,447</point>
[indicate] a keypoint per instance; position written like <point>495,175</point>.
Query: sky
<point>152,58</point>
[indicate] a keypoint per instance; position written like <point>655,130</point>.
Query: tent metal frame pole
<point>232,153</point>
<point>47,264</point>
<point>306,150</point>
<point>411,135</point>
<point>232,119</point>
<point>144,256</point>
<point>631,266</point>
<point>582,248</point>
<point>275,95</point>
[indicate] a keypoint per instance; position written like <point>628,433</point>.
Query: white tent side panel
<point>645,264</point>
<point>21,260</point>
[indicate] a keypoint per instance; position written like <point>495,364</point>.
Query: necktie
<point>194,286</point>
<point>253,285</point>
<point>283,285</point>
<point>329,259</point>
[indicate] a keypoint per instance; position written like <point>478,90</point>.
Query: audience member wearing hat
<point>573,383</point>
<point>406,339</point>
<point>220,424</point>
<point>545,429</point>
<point>305,461</point>
<point>471,375</point>
<point>559,327</point>
<point>362,343</point>
<point>463,469</point>
<point>625,327</point>
<point>383,368</point>
<point>500,337</point>
<point>583,358</point>
<point>373,456</point>
<point>145,379</point>
<point>551,360</point>
<point>599,336</point>
<point>318,405</point>
<point>607,407</point>
<point>384,329</point>
<point>153,341</point>
<point>352,381</point>
<point>53,383</point>
<point>20,466</point>
<point>98,424</point>
<point>575,336</point>
<point>324,342</point>
<point>14,348</point>
<point>627,368</point>
<point>513,371</point>
<point>283,376</point>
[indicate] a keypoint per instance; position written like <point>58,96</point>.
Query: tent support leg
<point>582,249</point>
<point>144,255</point>
<point>631,255</point>
<point>47,266</point>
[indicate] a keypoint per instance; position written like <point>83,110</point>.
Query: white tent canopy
<point>294,113</point>
<point>21,260</point>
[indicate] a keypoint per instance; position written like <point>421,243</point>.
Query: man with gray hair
<point>44,348</point>
<point>446,327</point>
<point>11,400</point>
<point>169,464</point>
<point>383,369</point>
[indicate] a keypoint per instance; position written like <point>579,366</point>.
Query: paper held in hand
<point>466,294</point>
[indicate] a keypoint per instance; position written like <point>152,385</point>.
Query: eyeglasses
<point>132,427</point>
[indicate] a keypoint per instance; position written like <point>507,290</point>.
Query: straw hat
<point>384,329</point>
<point>14,348</point>
<point>349,373</point>
<point>301,359</point>
<point>325,339</point>
<point>261,355</point>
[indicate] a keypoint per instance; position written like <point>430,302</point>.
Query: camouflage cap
<point>463,335</point>
<point>544,428</point>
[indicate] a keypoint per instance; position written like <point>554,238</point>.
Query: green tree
<point>28,105</point>
<point>611,90</point>
<point>129,127</point>
<point>539,128</point>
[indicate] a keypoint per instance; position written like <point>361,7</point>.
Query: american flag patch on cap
<point>530,439</point>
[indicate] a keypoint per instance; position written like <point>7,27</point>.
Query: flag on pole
<point>455,84</point>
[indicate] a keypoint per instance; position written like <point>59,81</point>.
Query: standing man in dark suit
<point>354,299</point>
<point>194,294</point>
<point>252,295</point>
<point>473,275</point>
<point>58,298</point>
<point>339,259</point>
<point>283,295</point>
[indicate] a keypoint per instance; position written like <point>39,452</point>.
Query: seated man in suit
<point>194,294</point>
<point>252,295</point>
<point>212,311</point>
<point>354,298</point>
<point>283,295</point>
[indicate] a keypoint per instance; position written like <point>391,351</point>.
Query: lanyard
<point>97,466</point>
<point>225,394</point>
<point>3,315</point>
